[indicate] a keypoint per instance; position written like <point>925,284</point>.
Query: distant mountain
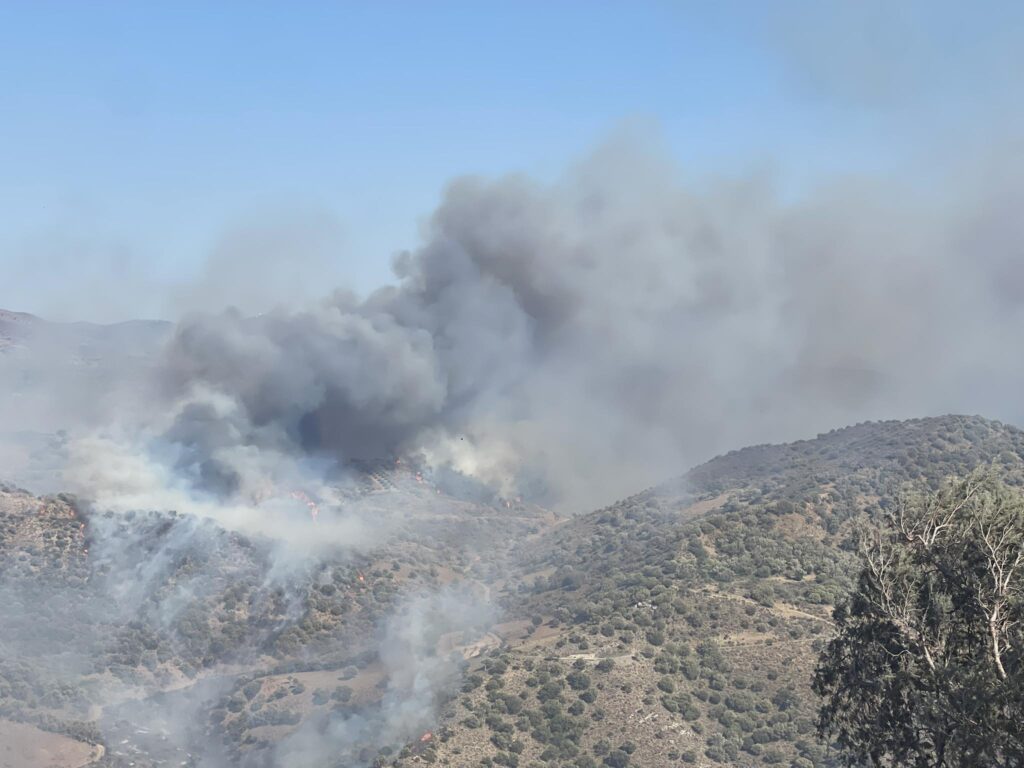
<point>65,377</point>
<point>22,330</point>
<point>14,326</point>
<point>678,626</point>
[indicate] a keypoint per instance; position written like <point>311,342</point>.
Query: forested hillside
<point>682,625</point>
<point>679,626</point>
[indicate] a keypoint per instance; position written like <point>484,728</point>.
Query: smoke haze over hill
<point>299,514</point>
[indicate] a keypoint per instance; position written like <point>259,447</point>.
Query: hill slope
<point>681,625</point>
<point>678,626</point>
<point>139,631</point>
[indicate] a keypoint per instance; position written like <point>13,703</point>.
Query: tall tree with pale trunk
<point>927,666</point>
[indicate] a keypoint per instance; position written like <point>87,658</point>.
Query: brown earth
<point>25,746</point>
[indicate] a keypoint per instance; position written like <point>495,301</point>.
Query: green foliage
<point>578,681</point>
<point>927,666</point>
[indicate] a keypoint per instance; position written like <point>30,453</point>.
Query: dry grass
<point>25,746</point>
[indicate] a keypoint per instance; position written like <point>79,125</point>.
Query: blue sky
<point>136,137</point>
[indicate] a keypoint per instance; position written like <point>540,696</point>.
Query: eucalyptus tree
<point>926,668</point>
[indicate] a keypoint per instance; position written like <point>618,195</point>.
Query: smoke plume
<point>581,339</point>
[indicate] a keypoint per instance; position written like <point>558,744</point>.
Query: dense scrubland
<point>680,626</point>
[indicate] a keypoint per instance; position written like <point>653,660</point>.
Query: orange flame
<point>314,510</point>
<point>426,737</point>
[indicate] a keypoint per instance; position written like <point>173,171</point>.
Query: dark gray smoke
<point>593,335</point>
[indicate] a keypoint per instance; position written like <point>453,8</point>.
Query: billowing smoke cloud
<point>585,338</point>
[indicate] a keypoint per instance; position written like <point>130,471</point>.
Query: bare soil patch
<point>25,746</point>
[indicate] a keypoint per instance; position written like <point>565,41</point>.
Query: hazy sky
<point>138,141</point>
